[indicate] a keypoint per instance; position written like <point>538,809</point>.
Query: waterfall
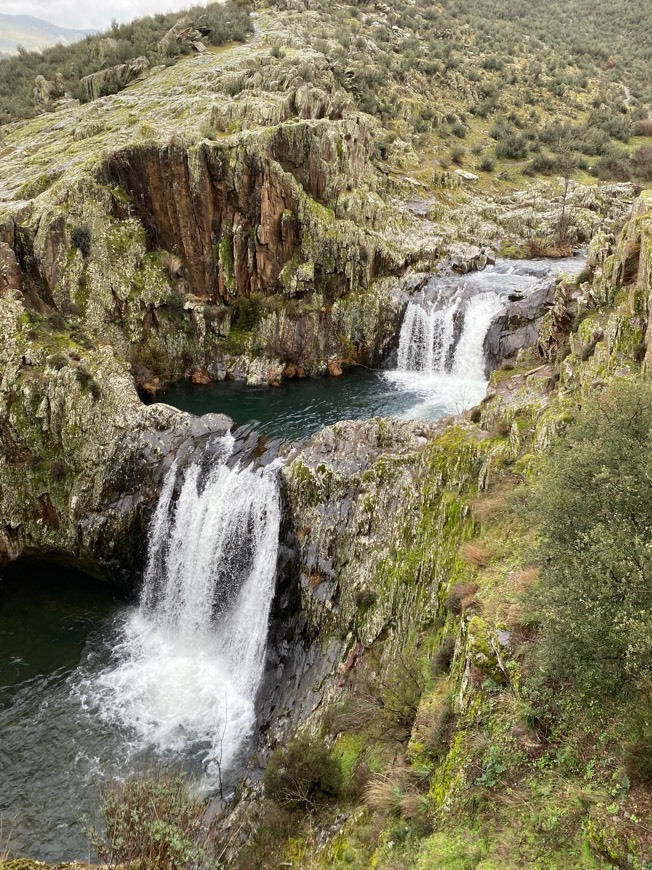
<point>441,350</point>
<point>426,337</point>
<point>190,658</point>
<point>427,341</point>
<point>479,313</point>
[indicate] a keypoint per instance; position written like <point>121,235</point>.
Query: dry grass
<point>485,509</point>
<point>475,555</point>
<point>500,429</point>
<point>461,597</point>
<point>173,265</point>
<point>382,795</point>
<point>411,805</point>
<point>523,578</point>
<point>434,725</point>
<point>387,792</point>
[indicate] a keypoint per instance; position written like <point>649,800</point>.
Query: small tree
<point>301,774</point>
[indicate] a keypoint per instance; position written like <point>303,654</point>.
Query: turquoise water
<point>299,408</point>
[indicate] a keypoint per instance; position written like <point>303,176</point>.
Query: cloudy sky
<point>84,14</point>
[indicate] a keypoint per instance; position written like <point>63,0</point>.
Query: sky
<point>82,14</point>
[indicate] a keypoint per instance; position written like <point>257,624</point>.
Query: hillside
<point>34,33</point>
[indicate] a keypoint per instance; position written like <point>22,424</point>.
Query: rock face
<point>114,79</point>
<point>46,92</point>
<point>351,494</point>
<point>81,458</point>
<point>183,32</point>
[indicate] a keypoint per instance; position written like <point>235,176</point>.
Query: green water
<point>51,620</point>
<point>299,408</point>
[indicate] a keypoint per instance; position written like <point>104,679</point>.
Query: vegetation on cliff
<point>487,580</point>
<point>506,724</point>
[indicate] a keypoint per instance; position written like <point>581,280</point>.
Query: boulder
<point>185,31</point>
<point>47,92</point>
<point>114,79</point>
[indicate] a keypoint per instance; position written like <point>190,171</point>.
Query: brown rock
<point>291,371</point>
<point>150,388</point>
<point>200,378</point>
<point>334,368</point>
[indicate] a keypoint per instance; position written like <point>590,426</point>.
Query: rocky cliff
<point>227,217</point>
<point>413,556</point>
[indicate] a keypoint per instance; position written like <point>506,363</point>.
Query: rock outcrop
<point>47,92</point>
<point>114,79</point>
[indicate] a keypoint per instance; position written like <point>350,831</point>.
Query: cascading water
<point>441,360</point>
<point>426,337</point>
<point>188,665</point>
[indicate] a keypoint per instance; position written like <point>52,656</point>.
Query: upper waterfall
<point>441,348</point>
<point>447,334</point>
<point>188,666</point>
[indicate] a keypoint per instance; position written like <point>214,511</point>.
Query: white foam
<point>189,660</point>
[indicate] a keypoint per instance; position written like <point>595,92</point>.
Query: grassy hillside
<point>220,22</point>
<point>484,85</point>
<point>489,87</point>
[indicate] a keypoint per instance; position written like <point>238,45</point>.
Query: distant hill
<point>34,33</point>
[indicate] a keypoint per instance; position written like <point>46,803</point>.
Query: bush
<point>613,167</point>
<point>152,822</point>
<point>457,155</point>
<point>301,774</point>
<point>593,507</point>
<point>512,147</point>
<point>487,164</point>
<point>443,658</point>
<point>643,161</point>
<point>81,239</point>
<point>247,311</point>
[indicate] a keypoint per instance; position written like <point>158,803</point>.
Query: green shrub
<point>487,164</point>
<point>613,167</point>
<point>81,239</point>
<point>301,774</point>
<point>152,822</point>
<point>247,311</point>
<point>643,161</point>
<point>593,507</point>
<point>512,147</point>
<point>457,155</point>
<point>57,361</point>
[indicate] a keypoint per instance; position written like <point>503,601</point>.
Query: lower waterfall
<point>190,659</point>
